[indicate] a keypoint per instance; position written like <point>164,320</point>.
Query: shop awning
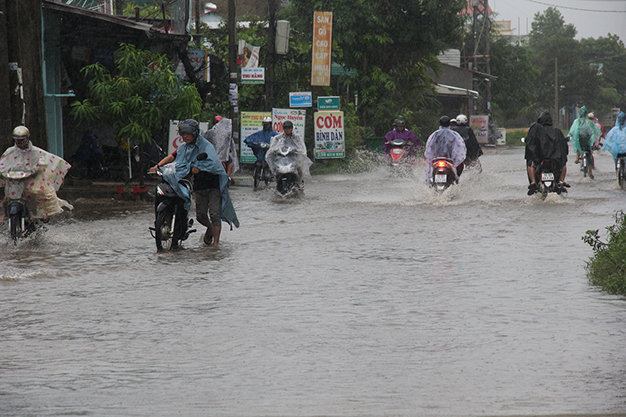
<point>448,90</point>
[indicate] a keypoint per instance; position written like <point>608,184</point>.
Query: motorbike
<point>443,175</point>
<point>621,170</point>
<point>398,152</point>
<point>286,172</point>
<point>546,177</point>
<point>585,161</point>
<point>261,169</point>
<point>171,225</point>
<point>21,224</point>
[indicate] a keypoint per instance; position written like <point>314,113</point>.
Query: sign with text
<point>297,117</point>
<point>329,135</point>
<point>253,75</point>
<point>251,122</point>
<point>480,126</point>
<point>322,42</point>
<point>301,99</point>
<point>174,139</point>
<point>328,103</point>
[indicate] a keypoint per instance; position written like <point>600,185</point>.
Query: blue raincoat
<point>615,141</point>
<point>186,158</point>
<point>254,141</point>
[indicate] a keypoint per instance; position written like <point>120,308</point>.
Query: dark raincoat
<point>545,141</point>
<point>471,143</point>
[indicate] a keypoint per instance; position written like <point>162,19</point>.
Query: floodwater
<point>368,297</point>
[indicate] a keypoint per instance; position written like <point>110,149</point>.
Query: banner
<point>253,75</point>
<point>251,122</point>
<point>247,55</point>
<point>329,135</point>
<point>200,62</point>
<point>297,117</point>
<point>480,126</point>
<point>322,42</point>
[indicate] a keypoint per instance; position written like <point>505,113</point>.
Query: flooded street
<point>371,296</point>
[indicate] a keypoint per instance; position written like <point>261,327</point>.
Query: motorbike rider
<point>210,182</point>
<point>45,173</point>
<point>474,150</point>
<point>399,131</point>
<point>615,141</point>
<point>545,141</point>
<point>584,133</point>
<point>264,135</point>
<point>289,138</point>
<point>220,135</point>
<point>445,143</point>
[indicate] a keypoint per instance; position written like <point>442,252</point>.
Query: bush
<point>513,136</point>
<point>607,268</point>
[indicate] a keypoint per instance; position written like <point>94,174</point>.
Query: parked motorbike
<point>443,175</point>
<point>171,225</point>
<point>286,172</point>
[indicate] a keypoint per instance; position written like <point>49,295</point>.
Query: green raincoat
<point>584,132</point>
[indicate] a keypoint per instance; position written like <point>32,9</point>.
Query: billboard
<point>329,135</point>
<point>322,42</point>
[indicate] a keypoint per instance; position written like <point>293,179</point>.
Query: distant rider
<point>584,133</point>
<point>35,175</point>
<point>264,135</point>
<point>399,131</point>
<point>220,135</point>
<point>615,141</point>
<point>445,143</point>
<point>210,182</point>
<point>471,143</point>
<point>289,138</point>
<point>545,141</point>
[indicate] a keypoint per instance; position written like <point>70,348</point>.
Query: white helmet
<point>20,132</point>
<point>267,119</point>
<point>591,115</point>
<point>461,119</point>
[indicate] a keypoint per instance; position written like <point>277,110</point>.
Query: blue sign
<point>302,99</point>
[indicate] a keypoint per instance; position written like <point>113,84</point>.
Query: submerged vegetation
<point>607,268</point>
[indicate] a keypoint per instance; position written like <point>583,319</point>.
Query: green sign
<point>328,103</point>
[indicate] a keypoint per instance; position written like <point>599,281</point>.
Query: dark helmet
<point>287,123</point>
<point>189,126</point>
<point>444,121</point>
<point>398,122</point>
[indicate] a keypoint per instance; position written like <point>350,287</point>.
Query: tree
<point>138,98</point>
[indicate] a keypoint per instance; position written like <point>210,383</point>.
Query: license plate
<point>397,151</point>
<point>547,176</point>
<point>441,178</point>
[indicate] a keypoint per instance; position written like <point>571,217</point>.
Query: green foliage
<point>607,268</point>
<point>138,98</point>
<point>514,136</point>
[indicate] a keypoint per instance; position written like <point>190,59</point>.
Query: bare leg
<point>563,173</point>
<point>216,230</point>
<point>531,173</point>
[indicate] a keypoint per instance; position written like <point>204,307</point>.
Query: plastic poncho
<point>474,150</point>
<point>36,176</point>
<point>255,139</point>
<point>186,158</point>
<point>444,143</point>
<point>297,142</point>
<point>405,135</point>
<point>615,141</point>
<point>220,136</point>
<point>544,141</point>
<point>586,124</point>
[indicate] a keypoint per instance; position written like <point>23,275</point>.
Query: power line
<point>577,8</point>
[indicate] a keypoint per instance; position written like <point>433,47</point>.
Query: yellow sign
<point>322,41</point>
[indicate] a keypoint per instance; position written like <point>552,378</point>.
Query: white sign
<point>174,139</point>
<point>251,122</point>
<point>253,75</point>
<point>480,125</point>
<point>297,117</point>
<point>329,135</point>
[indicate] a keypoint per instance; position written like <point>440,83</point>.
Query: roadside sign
<point>297,117</point>
<point>175,140</point>
<point>251,122</point>
<point>301,99</point>
<point>480,125</point>
<point>329,135</point>
<point>253,75</point>
<point>328,103</point>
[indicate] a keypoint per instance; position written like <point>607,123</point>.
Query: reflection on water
<point>370,296</point>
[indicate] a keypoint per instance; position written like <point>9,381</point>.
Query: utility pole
<point>481,25</point>
<point>197,21</point>
<point>556,91</point>
<point>271,55</point>
<point>233,86</point>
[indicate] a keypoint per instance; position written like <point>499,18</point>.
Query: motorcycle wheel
<point>164,236</point>
<point>585,165</point>
<point>15,225</point>
<point>621,174</point>
<point>257,176</point>
<point>266,176</point>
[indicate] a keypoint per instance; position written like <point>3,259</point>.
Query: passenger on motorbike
<point>210,182</point>
<point>220,135</point>
<point>265,135</point>
<point>545,141</point>
<point>471,143</point>
<point>400,132</point>
<point>289,138</point>
<point>445,143</point>
<point>34,175</point>
<point>615,141</point>
<point>584,133</point>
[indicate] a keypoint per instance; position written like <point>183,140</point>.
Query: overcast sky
<point>588,23</point>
